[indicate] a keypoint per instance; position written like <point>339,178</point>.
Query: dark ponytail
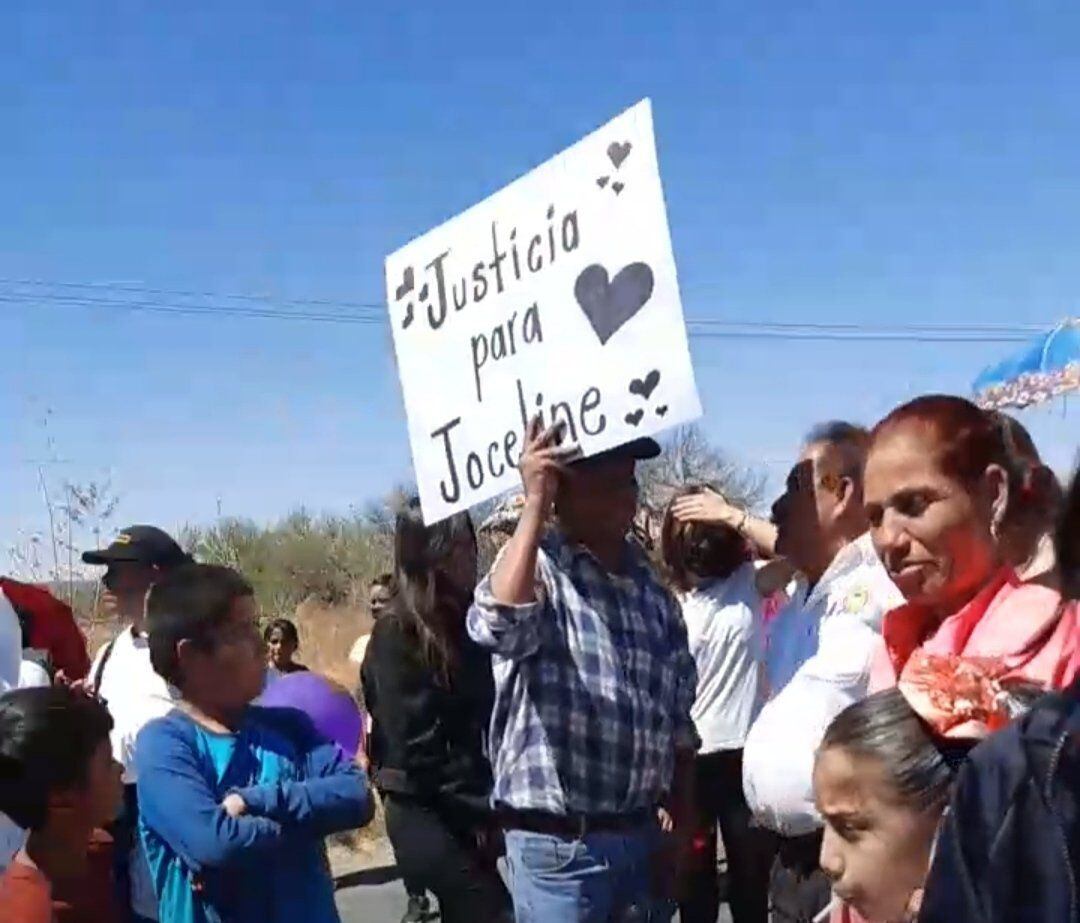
<point>884,727</point>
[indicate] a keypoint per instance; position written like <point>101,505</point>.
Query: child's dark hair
<point>189,604</point>
<point>48,736</point>
<point>287,629</point>
<point>884,727</point>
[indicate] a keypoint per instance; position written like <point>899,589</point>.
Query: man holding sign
<point>591,729</point>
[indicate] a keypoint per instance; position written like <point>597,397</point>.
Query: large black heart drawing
<point>645,387</point>
<point>609,305</point>
<point>618,152</point>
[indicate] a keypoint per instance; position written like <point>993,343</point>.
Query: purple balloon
<point>329,706</point>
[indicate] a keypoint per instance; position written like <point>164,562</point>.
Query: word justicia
<point>513,258</point>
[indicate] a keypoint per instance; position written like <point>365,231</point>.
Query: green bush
<point>331,558</point>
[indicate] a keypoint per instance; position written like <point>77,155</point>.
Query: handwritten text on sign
<point>556,296</point>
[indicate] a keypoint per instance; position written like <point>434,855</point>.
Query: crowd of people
<point>870,699</point>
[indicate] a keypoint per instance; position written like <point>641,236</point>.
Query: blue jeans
<point>603,877</point>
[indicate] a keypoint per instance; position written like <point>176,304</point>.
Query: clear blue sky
<point>828,161</point>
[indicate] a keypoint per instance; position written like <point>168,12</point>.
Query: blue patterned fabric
<point>594,683</point>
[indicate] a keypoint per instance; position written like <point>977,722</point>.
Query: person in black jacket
<point>1068,542</point>
<point>429,691</point>
<point>1009,849</point>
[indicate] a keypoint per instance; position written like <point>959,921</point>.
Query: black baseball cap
<point>140,545</point>
<point>637,449</point>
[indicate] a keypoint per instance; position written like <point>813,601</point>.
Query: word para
<point>502,341</point>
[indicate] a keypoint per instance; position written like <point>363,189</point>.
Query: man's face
<point>598,499</point>
<point>230,671</point>
<point>125,587</point>
<point>804,513</point>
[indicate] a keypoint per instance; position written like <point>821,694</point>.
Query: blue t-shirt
<point>267,865</point>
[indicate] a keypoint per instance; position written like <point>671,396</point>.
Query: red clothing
<point>1025,626</point>
<point>51,626</point>
<point>25,895</point>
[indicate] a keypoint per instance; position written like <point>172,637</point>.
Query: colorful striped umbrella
<point>1049,367</point>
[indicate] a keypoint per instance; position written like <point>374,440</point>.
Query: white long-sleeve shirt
<point>725,632</point>
<point>818,656</point>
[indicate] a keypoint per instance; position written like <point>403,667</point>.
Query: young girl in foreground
<point>881,784</point>
<point>883,777</point>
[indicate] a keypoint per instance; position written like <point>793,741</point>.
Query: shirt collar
<point>853,555</point>
<point>568,553</point>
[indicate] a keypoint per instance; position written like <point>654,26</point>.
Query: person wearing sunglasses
<point>123,678</point>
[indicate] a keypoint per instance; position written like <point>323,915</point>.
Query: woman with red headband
<point>942,490</point>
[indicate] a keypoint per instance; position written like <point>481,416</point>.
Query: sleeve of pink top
<point>882,675</point>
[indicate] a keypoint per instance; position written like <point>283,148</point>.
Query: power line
<point>701,328</point>
<point>271,300</point>
<point>161,307</point>
<point>854,336</point>
<point>181,293</point>
<point>814,325</point>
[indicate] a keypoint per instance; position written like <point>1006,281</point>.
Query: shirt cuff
<point>485,599</point>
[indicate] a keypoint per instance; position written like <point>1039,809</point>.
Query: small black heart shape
<point>618,152</point>
<point>645,388</point>
<point>617,187</point>
<point>602,181</point>
<point>408,317</point>
<point>406,285</point>
<point>608,304</point>
<point>635,418</point>
<point>661,410</point>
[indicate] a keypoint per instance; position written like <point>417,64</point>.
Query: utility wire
<point>181,293</point>
<point>373,314</point>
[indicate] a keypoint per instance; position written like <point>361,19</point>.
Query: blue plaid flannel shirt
<point>593,685</point>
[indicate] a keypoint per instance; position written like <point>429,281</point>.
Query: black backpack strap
<point>100,671</point>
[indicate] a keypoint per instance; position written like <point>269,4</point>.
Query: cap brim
<point>107,557</point>
<point>641,449</point>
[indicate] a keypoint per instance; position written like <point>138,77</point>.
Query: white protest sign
<point>556,296</point>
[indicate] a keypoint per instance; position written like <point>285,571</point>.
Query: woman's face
<point>280,649</point>
<point>875,851</point>
<point>378,599</point>
<point>932,532</point>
